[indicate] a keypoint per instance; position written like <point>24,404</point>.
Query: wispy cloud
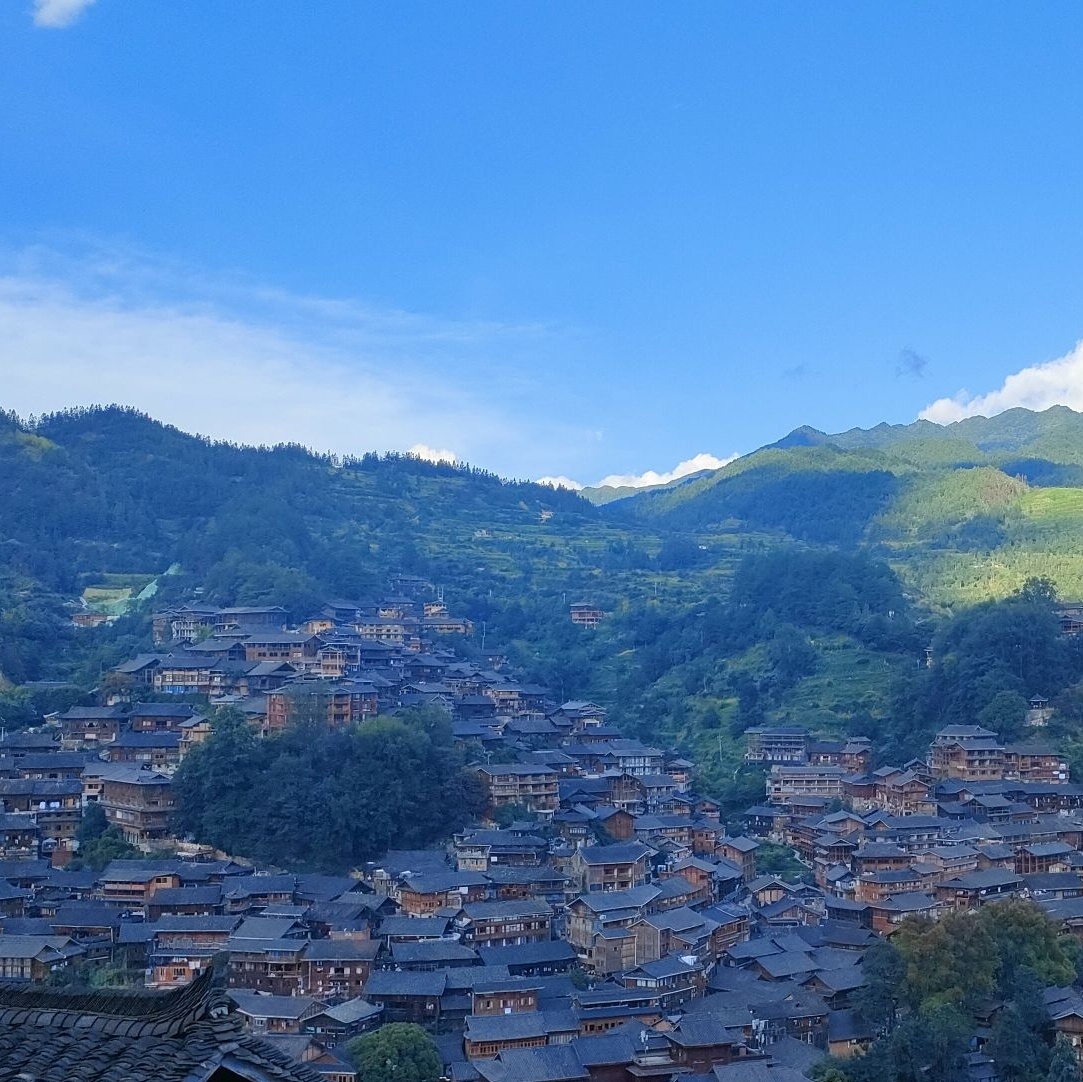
<point>1037,387</point>
<point>695,464</point>
<point>58,14</point>
<point>235,361</point>
<point>911,363</point>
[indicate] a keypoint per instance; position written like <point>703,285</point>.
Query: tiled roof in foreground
<point>189,1035</point>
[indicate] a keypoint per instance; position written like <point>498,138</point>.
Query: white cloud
<point>560,482</point>
<point>252,365</point>
<point>432,454</point>
<point>1054,383</point>
<point>702,461</point>
<point>58,14</point>
<point>695,464</point>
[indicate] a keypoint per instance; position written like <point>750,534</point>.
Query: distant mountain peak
<point>805,436</point>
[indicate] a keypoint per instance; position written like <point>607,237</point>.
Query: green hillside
<point>801,583</point>
<point>608,493</point>
<point>963,511</point>
<point>99,503</point>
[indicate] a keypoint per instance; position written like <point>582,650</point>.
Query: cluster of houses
<point>530,952</point>
<point>621,932</point>
<point>603,924</point>
<point>526,957</point>
<point>975,821</point>
<point>354,660</point>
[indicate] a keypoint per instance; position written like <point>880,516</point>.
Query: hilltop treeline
<point>109,489</point>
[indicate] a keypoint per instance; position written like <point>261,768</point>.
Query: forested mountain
<point>104,499</point>
<point>801,583</point>
<point>963,511</point>
<point>109,490</point>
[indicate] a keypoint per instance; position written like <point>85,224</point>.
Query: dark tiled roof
<point>625,852</point>
<point>152,739</point>
<point>550,951</point>
<point>181,896</point>
<point>53,1036</point>
<point>432,951</point>
<point>342,950</point>
<point>163,710</point>
<point>414,927</point>
<point>391,983</point>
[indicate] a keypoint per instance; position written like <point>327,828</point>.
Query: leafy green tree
<point>1028,950</point>
<point>949,961</point>
<point>313,798</point>
<point>791,654</point>
<point>399,1052</point>
<point>1019,1053</point>
<point>1073,952</point>
<point>929,1044</point>
<point>774,859</point>
<point>507,814</point>
<point>1004,714</point>
<point>944,971</point>
<point>93,825</point>
<point>1063,1063</point>
<point>1039,590</point>
<point>828,1070</point>
<point>109,845</point>
<point>877,999</point>
<point>946,1040</point>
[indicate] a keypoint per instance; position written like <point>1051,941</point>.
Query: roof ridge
<point>115,1011</point>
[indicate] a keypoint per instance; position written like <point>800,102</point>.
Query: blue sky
<point>550,238</point>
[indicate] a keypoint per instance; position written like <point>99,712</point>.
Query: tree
<point>94,824</point>
<point>1016,1049</point>
<point>947,1040</point>
<point>1039,590</point>
<point>507,814</point>
<point>790,654</point>
<point>929,1045</point>
<point>952,960</point>
<point>109,845</point>
<point>1004,714</point>
<point>1063,1065</point>
<point>828,1070</point>
<point>314,798</point>
<point>876,1000</point>
<point>399,1052</point>
<point>1029,953</point>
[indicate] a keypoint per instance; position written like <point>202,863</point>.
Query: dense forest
<point>312,799</point>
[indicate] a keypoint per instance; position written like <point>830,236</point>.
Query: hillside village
<point>601,923</point>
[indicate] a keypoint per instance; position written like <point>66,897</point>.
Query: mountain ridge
<point>962,510</point>
<point>1012,429</point>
